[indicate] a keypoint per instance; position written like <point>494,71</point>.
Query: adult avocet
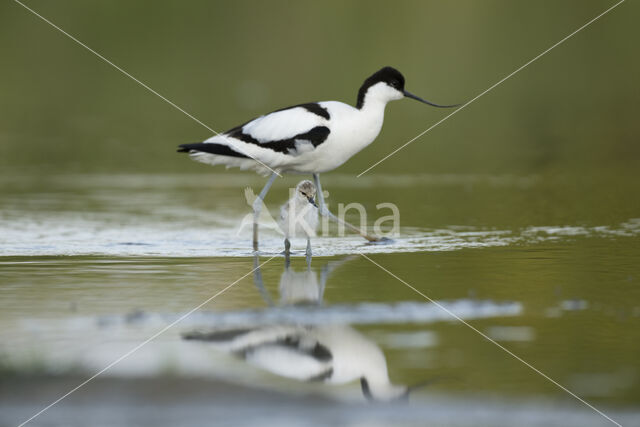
<point>308,138</point>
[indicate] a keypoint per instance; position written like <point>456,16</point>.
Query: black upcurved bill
<point>417,98</point>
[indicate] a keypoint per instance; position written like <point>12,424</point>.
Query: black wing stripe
<point>216,336</point>
<point>317,109</point>
<point>316,136</point>
<point>323,376</point>
<point>319,352</point>
<point>312,107</point>
<point>212,148</point>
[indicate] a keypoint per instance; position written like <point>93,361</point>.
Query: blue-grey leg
<point>287,253</point>
<point>257,280</point>
<point>324,211</point>
<point>308,252</point>
<point>257,207</point>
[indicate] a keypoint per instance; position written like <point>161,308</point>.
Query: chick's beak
<point>312,201</point>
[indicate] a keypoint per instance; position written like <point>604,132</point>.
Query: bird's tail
<point>211,148</point>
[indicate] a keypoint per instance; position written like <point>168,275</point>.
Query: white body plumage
<point>311,138</point>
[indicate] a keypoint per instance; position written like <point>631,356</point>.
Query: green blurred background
<point>573,111</point>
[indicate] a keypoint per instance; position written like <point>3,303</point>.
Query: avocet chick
<point>299,216</point>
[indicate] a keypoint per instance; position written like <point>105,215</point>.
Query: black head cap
<point>389,75</point>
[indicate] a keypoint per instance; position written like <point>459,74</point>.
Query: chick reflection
<point>333,354</point>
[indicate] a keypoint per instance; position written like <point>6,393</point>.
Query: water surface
<point>94,265</point>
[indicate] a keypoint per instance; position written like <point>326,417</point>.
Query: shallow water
<point>93,265</point>
<point>207,215</point>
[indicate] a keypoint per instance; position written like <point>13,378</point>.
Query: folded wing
<point>272,140</point>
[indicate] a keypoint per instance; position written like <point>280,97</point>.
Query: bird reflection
<point>332,354</point>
